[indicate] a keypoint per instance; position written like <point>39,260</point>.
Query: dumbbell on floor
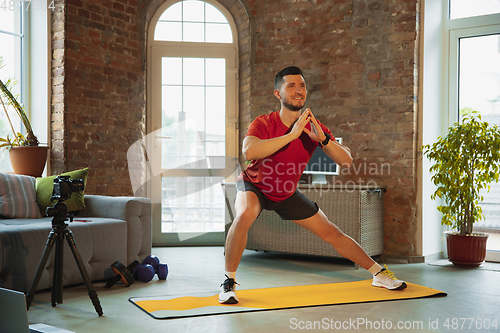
<point>150,266</point>
<point>144,273</point>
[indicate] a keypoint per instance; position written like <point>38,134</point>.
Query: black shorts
<point>296,207</point>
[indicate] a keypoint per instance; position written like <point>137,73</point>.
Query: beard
<point>289,105</point>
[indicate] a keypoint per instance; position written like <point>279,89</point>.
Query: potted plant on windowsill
<point>466,161</point>
<point>26,156</point>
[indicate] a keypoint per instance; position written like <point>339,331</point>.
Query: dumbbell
<point>149,267</point>
<point>162,271</point>
<point>151,260</point>
<point>144,272</point>
<point>122,273</point>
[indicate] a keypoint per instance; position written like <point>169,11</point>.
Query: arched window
<point>192,111</point>
<point>193,21</point>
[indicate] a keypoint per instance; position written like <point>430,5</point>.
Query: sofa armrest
<point>135,211</point>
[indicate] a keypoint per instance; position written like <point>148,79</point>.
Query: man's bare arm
<point>255,148</point>
<point>339,153</point>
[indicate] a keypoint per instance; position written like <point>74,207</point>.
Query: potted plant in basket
<point>466,161</point>
<point>26,156</point>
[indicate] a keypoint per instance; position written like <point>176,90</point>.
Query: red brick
<point>374,76</point>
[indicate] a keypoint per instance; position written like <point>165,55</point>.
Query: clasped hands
<point>316,133</point>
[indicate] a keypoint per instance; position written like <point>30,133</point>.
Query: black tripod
<point>57,234</point>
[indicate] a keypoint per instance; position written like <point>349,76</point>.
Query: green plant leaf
<point>7,98</point>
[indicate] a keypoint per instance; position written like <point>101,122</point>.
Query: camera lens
<point>77,185</point>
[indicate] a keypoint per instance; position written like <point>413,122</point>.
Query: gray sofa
<point>118,228</point>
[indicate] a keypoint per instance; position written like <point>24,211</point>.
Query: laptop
<point>14,315</point>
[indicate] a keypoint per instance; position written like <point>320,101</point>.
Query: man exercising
<point>279,145</point>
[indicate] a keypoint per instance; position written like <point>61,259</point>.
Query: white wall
<point>431,123</point>
<point>39,74</point>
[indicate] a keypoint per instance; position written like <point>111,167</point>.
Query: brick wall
<point>103,83</point>
<point>57,123</point>
<point>359,58</point>
<point>98,83</point>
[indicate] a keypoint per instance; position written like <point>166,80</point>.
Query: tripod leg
<point>41,267</point>
<point>83,271</point>
<point>57,284</point>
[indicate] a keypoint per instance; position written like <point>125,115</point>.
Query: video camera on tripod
<point>63,188</point>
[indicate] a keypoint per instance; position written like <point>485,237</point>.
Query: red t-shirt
<point>278,174</point>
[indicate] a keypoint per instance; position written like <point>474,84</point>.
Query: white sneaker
<point>386,279</point>
<point>227,294</point>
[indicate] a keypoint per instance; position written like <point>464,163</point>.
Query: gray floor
<point>472,293</point>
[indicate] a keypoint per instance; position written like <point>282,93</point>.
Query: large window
<point>192,116</point>
<point>473,29</point>
<point>24,46</point>
<point>12,29</point>
<point>193,21</point>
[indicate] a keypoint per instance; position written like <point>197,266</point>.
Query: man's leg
<point>247,208</point>
<point>343,244</point>
<point>349,248</point>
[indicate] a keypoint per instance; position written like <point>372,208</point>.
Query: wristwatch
<point>325,142</point>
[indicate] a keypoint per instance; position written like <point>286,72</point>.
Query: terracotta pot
<point>466,249</point>
<point>29,160</point>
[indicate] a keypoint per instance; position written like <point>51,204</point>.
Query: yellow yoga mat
<point>166,307</point>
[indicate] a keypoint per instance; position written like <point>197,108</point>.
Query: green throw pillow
<point>45,185</point>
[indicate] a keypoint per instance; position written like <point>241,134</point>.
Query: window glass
<point>193,11</point>
<point>199,209</point>
<point>193,110</point>
<point>213,15</point>
<point>469,8</point>
<point>193,32</point>
<point>216,72</point>
<point>173,13</point>
<point>194,71</point>
<point>216,122</point>
<point>479,90</point>
<point>218,33</point>
<point>479,75</point>
<point>171,71</point>
<point>10,19</point>
<point>193,21</point>
<point>10,51</point>
<point>171,31</point>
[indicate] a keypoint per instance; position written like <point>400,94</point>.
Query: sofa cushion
<point>18,196</point>
<point>45,185</point>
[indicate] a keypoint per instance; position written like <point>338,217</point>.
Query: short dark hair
<point>292,70</point>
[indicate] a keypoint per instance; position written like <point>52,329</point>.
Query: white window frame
<point>35,76</point>
<point>156,49</point>
<point>22,77</point>
<point>454,30</point>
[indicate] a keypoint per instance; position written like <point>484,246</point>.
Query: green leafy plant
<point>466,161</point>
<point>8,99</point>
